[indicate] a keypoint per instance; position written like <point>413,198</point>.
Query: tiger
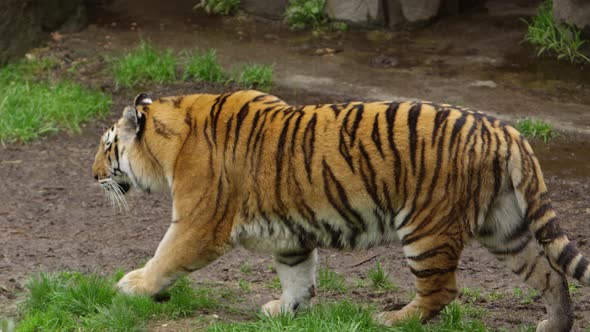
<point>246,169</point>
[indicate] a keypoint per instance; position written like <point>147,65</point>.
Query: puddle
<point>564,156</point>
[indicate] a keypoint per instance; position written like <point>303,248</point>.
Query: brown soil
<point>54,217</point>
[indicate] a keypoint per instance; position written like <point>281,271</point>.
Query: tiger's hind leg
<point>297,274</point>
<point>433,259</point>
<point>506,235</point>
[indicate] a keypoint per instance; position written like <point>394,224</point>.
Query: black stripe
<point>227,133</point>
<point>517,232</point>
<point>357,120</point>
<point>252,130</point>
<point>215,115</point>
<point>376,137</point>
<point>368,175</point>
<point>443,249</point>
<point>426,273</point>
<point>242,114</point>
<point>439,118</point>
<point>568,253</point>
<point>413,115</point>
<point>295,130</point>
<point>459,123</point>
<point>390,115</point>
<point>308,145</point>
<point>514,250</point>
<point>340,202</point>
<point>581,268</point>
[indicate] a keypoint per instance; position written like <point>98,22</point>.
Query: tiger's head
<point>122,161</point>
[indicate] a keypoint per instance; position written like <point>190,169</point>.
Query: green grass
<point>31,107</point>
<point>527,297</point>
<point>552,37</point>
<point>533,128</point>
<point>203,66</point>
<point>256,76</point>
<point>144,63</point>
<point>379,278</point>
<point>471,294</point>
<point>347,316</point>
<point>331,281</point>
<point>246,268</point>
<point>219,7</point>
<point>494,296</point>
<point>72,301</point>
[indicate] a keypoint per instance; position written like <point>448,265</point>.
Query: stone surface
<point>576,12</point>
<point>25,23</point>
<point>419,10</point>
<point>271,9</point>
<point>362,12</point>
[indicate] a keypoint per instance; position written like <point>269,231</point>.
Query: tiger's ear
<point>134,122</point>
<point>142,99</point>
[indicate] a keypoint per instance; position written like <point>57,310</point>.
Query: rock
<point>483,84</point>
<point>359,12</point>
<point>417,11</point>
<point>271,9</point>
<point>575,12</point>
<point>28,23</point>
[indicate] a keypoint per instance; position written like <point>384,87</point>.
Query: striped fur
<point>247,169</point>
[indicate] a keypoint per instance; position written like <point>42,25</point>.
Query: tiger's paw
<point>135,283</point>
<point>389,318</point>
<point>273,308</point>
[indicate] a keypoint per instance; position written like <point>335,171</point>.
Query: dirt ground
<point>54,217</point>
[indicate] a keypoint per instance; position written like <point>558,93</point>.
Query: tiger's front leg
<point>183,249</point>
<point>297,274</point>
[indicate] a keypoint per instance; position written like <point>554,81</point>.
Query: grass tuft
<point>256,76</point>
<point>379,279</point>
<point>552,37</point>
<point>203,66</point>
<point>72,301</point>
<point>533,128</point>
<point>30,108</point>
<point>310,14</point>
<point>331,281</point>
<point>144,63</point>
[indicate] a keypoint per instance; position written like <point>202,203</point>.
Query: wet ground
<point>54,217</point>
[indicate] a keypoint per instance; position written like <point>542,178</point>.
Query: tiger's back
<point>247,169</point>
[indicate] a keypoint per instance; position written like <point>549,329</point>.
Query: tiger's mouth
<point>124,186</point>
<point>115,191</point>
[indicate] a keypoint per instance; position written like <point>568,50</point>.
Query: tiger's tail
<point>535,204</point>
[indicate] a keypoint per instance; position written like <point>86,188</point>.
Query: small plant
<point>204,67</point>
<point>536,129</point>
<point>244,285</point>
<point>303,14</point>
<point>525,298</point>
<point>552,37</point>
<point>379,277</point>
<point>573,287</point>
<point>145,63</point>
<point>493,296</point>
<point>246,268</point>
<point>275,283</point>
<point>256,76</point>
<point>329,280</point>
<point>471,295</point>
<point>219,7</point>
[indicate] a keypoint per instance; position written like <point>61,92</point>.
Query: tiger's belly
<point>288,233</point>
